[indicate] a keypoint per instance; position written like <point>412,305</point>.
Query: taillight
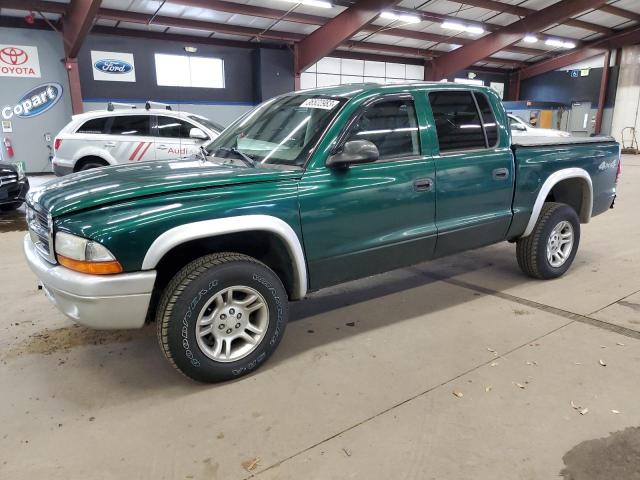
<point>56,143</point>
<point>619,169</point>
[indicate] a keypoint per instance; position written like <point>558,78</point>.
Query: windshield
<point>207,123</point>
<point>279,131</point>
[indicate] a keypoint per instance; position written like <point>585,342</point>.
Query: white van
<point>100,138</point>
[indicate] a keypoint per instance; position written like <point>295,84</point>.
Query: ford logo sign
<point>113,66</point>
<point>35,102</point>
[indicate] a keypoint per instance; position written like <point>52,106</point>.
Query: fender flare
<point>90,151</point>
<point>547,186</point>
<point>220,226</point>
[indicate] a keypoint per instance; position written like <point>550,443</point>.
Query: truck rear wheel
<point>221,317</point>
<point>549,250</point>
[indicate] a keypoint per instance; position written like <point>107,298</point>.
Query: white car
<point>111,137</point>
<point>520,128</point>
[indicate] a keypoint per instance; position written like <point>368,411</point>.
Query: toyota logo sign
<point>19,61</point>
<point>13,56</point>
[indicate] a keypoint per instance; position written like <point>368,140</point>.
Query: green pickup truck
<point>309,189</point>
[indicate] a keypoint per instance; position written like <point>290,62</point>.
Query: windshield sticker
<point>323,103</point>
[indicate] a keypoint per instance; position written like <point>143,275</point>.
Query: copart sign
<point>19,61</point>
<point>35,102</point>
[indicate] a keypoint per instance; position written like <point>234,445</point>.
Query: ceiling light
<point>189,49</point>
<point>461,27</point>
<point>453,26</point>
<point>312,3</point>
<point>401,17</point>
<point>568,45</point>
<point>530,39</point>
<point>474,29</point>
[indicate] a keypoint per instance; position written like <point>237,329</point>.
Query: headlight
<point>84,255</point>
<point>21,174</point>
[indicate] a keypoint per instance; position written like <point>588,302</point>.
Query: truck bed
<point>555,141</point>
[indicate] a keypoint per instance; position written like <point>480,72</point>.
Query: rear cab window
<point>463,120</point>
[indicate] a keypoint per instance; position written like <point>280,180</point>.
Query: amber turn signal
<point>93,268</point>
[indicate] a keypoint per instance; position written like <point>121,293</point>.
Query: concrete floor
<point>456,369</point>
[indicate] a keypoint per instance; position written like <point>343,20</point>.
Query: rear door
<point>129,138</point>
<point>172,138</point>
<point>474,171</point>
<point>373,217</point>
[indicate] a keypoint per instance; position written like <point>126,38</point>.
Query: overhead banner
<point>19,61</point>
<point>113,66</point>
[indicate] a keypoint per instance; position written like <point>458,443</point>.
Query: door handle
<point>162,147</point>
<point>423,184</point>
<point>110,144</point>
<point>500,174</point>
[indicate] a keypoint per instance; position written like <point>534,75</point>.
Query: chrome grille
<point>7,176</point>
<point>40,229</point>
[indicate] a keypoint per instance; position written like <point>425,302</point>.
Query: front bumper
<point>16,192</point>
<point>98,301</point>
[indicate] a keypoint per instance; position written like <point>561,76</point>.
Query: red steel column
<point>604,82</point>
<point>71,64</point>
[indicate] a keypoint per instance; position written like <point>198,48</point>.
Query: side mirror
<point>353,152</point>
<point>198,134</point>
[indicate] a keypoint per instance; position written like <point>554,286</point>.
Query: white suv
<point>100,138</point>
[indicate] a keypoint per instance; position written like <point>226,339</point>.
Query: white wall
<point>627,106</point>
<point>340,71</point>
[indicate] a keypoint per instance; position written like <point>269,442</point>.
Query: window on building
<point>169,127</point>
<point>457,121</point>
<point>341,71</point>
<point>130,125</point>
<point>488,119</point>
<point>188,71</point>
<point>392,126</point>
<point>95,125</point>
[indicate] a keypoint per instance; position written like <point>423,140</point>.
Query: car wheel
<point>549,250</point>
<point>221,317</point>
<point>91,164</point>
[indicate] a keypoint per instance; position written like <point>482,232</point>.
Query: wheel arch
<point>561,186</point>
<point>222,234</point>
<point>82,161</point>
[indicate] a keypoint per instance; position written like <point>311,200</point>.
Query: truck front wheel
<point>221,317</point>
<point>549,250</point>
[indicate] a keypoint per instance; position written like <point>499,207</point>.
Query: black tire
<point>531,251</point>
<point>92,164</point>
<point>189,292</point>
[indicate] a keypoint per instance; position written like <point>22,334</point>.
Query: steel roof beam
<point>508,35</point>
<point>629,36</point>
<point>524,11</point>
<point>328,37</point>
<point>35,6</point>
<point>76,24</point>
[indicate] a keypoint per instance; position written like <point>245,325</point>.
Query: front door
<point>129,138</point>
<point>172,138</point>
<point>369,218</point>
<point>474,172</point>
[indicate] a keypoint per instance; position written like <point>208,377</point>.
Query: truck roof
<point>352,89</point>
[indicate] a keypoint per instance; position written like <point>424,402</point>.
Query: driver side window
<point>392,126</point>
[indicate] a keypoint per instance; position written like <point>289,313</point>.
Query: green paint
<point>352,222</point>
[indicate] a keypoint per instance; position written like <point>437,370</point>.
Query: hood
<point>120,183</point>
